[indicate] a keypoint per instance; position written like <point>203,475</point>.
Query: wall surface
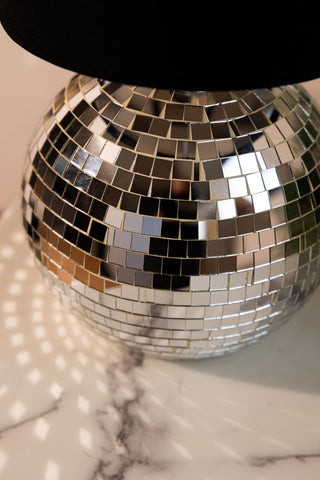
<point>27,86</point>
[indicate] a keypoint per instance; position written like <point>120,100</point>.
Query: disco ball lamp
<point>180,221</point>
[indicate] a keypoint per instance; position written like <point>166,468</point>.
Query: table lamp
<point>171,195</point>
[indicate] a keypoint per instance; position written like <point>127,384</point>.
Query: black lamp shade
<point>192,46</point>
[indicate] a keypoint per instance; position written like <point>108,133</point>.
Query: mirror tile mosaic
<point>182,223</point>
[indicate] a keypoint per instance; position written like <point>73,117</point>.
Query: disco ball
<point>182,223</point>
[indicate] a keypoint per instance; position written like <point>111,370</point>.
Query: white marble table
<point>76,407</point>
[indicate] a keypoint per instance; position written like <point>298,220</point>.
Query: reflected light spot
<point>56,304</point>
<point>6,251</point>
<point>37,316</point>
<point>181,421</point>
<point>227,401</point>
<point>39,332</point>
<point>29,262</point>
<point>3,460</point>
<point>60,362</point>
<point>144,382</point>
<point>3,390</point>
<point>55,390</point>
<point>52,471</point>
<point>46,347</point>
<point>83,359</point>
<point>14,289</point>
<point>62,331</point>
<point>69,343</point>
<point>11,322</point>
<point>278,443</point>
<point>9,306</point>
<point>228,450</point>
<point>76,330</point>
<point>183,452</point>
<point>100,352</point>
<point>237,424</point>
<point>23,357</point>
<point>76,375</point>
<point>41,429</point>
<point>189,402</point>
<point>18,237</point>
<point>101,387</point>
<point>83,404</point>
<point>144,417</point>
<point>37,302</point>
<point>17,339</point>
<point>125,391</point>
<point>99,367</point>
<point>39,288</point>
<point>20,275</point>
<point>56,316</point>
<point>17,410</point>
<point>85,342</point>
<point>85,438</point>
<point>113,413</point>
<point>35,376</point>
<point>155,399</point>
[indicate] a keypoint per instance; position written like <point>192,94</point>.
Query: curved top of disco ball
<point>219,46</point>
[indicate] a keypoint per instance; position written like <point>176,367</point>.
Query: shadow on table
<point>287,358</point>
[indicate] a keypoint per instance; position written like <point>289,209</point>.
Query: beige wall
<point>27,86</point>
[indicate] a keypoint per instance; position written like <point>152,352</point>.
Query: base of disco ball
<point>182,223</point>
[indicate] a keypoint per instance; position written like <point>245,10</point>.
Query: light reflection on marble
<point>75,406</point>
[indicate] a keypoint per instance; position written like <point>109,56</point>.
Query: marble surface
<point>76,406</point>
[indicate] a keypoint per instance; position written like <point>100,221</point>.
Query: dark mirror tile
<point>190,267</point>
<point>168,208</point>
<point>129,202</point>
<point>111,195</point>
<point>177,248</point>
<point>160,188</point>
<point>59,186</point>
<point>70,194</point>
<point>170,228</point>
<point>98,231</point>
<point>180,282</point>
<point>84,242</point>
<point>171,266</point>
<point>82,181</point>
<point>197,249</point>
<point>96,188</point>
<point>83,202</point>
<point>152,264</point>
<point>161,282</point>
<point>187,210</point>
<point>140,184</point>
<point>158,246</point>
<point>70,173</point>
<point>143,164</point>
<point>149,206</point>
<point>98,210</point>
<point>122,179</point>
<point>189,230</point>
<point>82,221</point>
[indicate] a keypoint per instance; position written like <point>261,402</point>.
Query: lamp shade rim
<point>176,51</point>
